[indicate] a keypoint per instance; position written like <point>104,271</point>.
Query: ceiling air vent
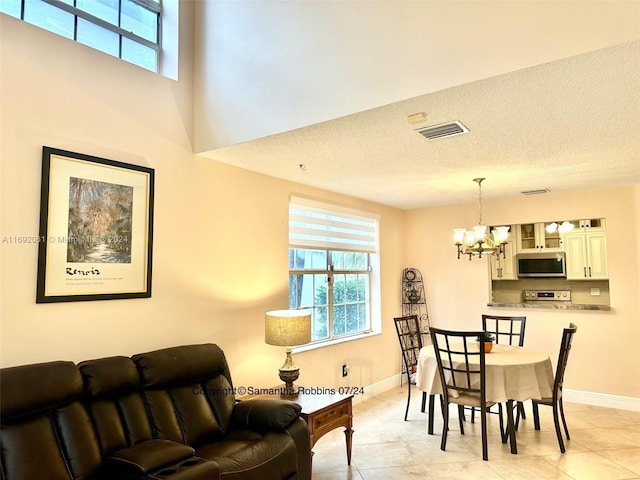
<point>443,130</point>
<point>536,192</point>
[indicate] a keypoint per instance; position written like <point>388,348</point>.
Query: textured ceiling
<point>567,125</point>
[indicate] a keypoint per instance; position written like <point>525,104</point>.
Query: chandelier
<point>563,227</point>
<point>476,241</point>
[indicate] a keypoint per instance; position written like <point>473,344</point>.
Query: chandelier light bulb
<point>552,227</point>
<point>503,234</point>
<point>480,231</point>
<point>469,238</point>
<point>565,227</point>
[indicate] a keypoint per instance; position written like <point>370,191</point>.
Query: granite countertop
<point>551,305</point>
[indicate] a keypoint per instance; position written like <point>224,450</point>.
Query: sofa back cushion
<point>45,430</point>
<point>113,395</point>
<point>188,391</point>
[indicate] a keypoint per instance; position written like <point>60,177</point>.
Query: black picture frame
<point>96,228</point>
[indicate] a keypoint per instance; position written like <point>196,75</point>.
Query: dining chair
<point>507,331</point>
<point>410,337</point>
<point>461,366</point>
<point>555,401</point>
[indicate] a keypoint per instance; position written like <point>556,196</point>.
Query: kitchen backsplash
<point>510,291</point>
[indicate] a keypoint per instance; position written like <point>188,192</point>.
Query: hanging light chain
<point>479,181</point>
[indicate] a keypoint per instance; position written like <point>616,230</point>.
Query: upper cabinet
<point>583,241</point>
<point>536,237</point>
<point>586,251</point>
<point>590,224</point>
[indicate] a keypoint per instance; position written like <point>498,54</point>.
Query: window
<point>333,268</point>
<point>127,29</point>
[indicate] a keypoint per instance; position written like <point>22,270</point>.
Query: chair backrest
<point>507,330</point>
<point>113,395</point>
<point>188,392</point>
<point>410,338</point>
<point>563,358</point>
<point>461,363</point>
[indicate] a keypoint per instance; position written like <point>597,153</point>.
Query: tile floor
<point>605,444</point>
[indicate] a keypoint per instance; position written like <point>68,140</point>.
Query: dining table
<point>512,373</point>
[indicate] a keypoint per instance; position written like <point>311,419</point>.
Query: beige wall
<point>220,236</point>
<point>606,344</point>
<point>220,245</point>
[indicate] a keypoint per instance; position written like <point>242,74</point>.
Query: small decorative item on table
<point>488,342</point>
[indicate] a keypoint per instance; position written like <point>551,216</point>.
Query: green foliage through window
<point>335,286</point>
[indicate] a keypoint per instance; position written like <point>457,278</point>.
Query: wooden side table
<point>323,412</point>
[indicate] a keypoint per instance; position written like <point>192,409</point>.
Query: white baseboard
<point>602,400</point>
<point>378,388</point>
<point>575,396</point>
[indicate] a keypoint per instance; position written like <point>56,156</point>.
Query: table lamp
<point>288,328</point>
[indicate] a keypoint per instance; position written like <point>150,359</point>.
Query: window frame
<point>329,243</point>
<point>151,5</point>
<point>331,272</point>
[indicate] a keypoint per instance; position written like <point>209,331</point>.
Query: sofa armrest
<point>262,415</point>
<point>151,455</point>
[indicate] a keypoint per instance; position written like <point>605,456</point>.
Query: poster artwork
<point>100,222</point>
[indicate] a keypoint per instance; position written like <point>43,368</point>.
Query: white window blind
<point>315,224</point>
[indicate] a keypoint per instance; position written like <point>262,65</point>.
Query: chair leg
<point>511,431</point>
<point>431,413</point>
<point>483,425</point>
<point>406,412</point>
<point>424,401</point>
<point>564,422</point>
<point>536,417</point>
<point>503,432</point>
<point>556,422</point>
<point>445,426</point>
<point>519,413</point>
<point>521,410</point>
<point>461,418</point>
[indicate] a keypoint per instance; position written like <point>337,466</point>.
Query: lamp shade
<point>287,328</point>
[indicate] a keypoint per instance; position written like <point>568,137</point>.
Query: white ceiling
<point>570,124</point>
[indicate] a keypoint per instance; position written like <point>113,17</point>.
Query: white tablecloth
<point>512,373</point>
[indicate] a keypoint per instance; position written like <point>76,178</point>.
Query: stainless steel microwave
<point>543,264</point>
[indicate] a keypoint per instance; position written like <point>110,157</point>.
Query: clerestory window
<point>127,29</point>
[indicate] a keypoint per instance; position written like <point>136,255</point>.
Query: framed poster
<point>96,228</point>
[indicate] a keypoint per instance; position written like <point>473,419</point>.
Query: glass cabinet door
<point>551,238</point>
<point>527,237</point>
<point>534,237</point>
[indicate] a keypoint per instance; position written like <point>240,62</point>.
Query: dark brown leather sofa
<point>169,414</point>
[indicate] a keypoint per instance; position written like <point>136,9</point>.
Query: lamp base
<point>289,373</point>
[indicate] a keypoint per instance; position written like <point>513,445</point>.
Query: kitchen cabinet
<point>533,237</point>
<point>586,254</point>
<point>503,267</point>
<point>591,224</point>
